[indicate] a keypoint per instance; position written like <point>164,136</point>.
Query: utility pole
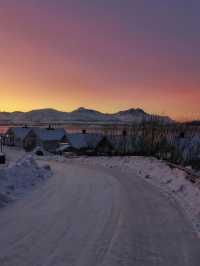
<point>1,138</point>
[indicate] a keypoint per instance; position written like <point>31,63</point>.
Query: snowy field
<point>171,181</point>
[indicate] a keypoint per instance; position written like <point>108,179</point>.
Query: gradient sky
<point>102,54</point>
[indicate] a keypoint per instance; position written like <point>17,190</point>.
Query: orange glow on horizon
<point>71,60</point>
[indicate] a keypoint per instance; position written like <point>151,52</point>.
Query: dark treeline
<point>177,142</point>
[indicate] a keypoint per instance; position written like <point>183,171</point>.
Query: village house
<point>50,139</point>
<point>23,137</point>
<point>99,144</point>
<point>88,143</point>
<point>57,140</point>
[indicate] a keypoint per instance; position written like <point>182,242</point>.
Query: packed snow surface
<point>170,180</point>
<point>96,211</point>
<point>94,216</point>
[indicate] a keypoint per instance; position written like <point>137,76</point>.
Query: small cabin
<point>88,143</point>
<point>77,142</point>
<point>22,137</point>
<point>50,138</point>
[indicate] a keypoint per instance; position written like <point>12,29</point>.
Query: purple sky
<point>103,54</point>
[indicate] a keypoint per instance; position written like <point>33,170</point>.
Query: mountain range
<point>79,115</point>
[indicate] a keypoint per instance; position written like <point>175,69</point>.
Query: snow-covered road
<point>88,216</point>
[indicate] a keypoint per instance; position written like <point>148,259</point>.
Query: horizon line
<point>182,120</point>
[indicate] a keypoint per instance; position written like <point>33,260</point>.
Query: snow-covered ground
<point>92,216</point>
<point>170,180</point>
<point>95,211</point>
<point>20,174</point>
<point>13,154</point>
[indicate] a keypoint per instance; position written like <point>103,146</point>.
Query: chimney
<point>124,133</point>
<point>182,135</point>
<point>50,127</point>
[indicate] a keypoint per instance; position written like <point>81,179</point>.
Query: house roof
<point>77,140</point>
<point>93,139</point>
<point>87,140</point>
<point>50,134</point>
<point>20,132</point>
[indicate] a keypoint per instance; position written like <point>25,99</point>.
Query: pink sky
<point>71,55</point>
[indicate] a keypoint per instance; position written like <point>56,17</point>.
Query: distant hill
<point>79,115</point>
<point>83,114</point>
<point>139,115</point>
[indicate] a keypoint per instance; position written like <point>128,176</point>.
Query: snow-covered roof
<point>87,140</point>
<point>20,132</point>
<point>77,140</point>
<point>45,134</point>
<point>93,139</point>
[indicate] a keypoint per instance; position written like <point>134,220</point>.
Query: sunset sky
<point>102,54</point>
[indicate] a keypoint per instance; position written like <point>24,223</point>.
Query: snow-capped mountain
<point>43,115</point>
<point>83,114</point>
<point>80,114</point>
<point>138,115</point>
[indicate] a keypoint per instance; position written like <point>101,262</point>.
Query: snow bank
<point>18,178</point>
<point>171,181</point>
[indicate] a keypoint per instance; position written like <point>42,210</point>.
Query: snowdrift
<point>18,178</point>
